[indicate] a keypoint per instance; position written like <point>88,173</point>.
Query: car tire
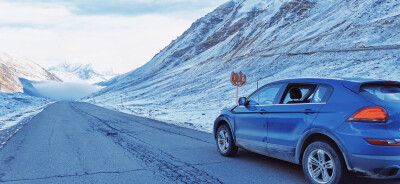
<point>225,144</point>
<point>322,164</point>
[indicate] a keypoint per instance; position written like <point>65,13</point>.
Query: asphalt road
<point>83,143</point>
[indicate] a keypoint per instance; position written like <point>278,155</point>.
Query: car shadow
<point>294,170</point>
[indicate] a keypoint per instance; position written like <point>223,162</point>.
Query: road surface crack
<point>209,163</point>
<point>73,175</point>
<point>51,136</point>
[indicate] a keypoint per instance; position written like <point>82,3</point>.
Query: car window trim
<point>302,104</point>
<point>282,90</point>
<point>323,103</point>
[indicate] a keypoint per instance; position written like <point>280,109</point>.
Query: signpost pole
<point>237,95</point>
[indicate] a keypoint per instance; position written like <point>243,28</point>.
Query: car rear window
<point>387,93</point>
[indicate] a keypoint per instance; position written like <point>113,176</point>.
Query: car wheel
<point>322,164</point>
<point>226,145</point>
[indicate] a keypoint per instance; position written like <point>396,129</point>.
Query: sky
<point>109,34</point>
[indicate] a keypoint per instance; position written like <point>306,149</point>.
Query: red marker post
<point>238,80</point>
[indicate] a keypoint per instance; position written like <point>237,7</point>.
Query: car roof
<point>353,84</point>
<point>325,80</point>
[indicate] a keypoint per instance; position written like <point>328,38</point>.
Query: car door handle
<point>309,111</point>
<point>262,111</point>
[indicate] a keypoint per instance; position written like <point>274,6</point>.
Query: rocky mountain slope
<point>13,67</point>
<point>80,73</point>
<point>266,40</point>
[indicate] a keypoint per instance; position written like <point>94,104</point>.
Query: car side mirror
<point>242,101</point>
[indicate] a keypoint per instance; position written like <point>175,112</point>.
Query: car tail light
<point>384,142</point>
<point>370,114</point>
<point>390,82</point>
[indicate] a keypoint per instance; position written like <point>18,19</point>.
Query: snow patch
<point>15,111</point>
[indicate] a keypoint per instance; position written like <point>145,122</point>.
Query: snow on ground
<point>198,118</point>
<point>185,105</point>
<point>15,110</point>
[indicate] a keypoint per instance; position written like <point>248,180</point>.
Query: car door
<point>288,120</point>
<point>251,119</point>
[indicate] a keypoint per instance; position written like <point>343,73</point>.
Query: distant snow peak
<point>80,73</point>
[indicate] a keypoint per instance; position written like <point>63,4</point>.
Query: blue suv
<point>329,126</point>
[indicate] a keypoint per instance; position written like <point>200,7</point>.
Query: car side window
<point>298,93</point>
<point>266,95</point>
<point>322,94</point>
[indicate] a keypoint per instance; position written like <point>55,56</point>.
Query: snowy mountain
<point>14,67</point>
<point>80,73</point>
<point>188,81</point>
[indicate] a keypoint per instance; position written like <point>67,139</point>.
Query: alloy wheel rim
<point>223,140</point>
<point>321,166</point>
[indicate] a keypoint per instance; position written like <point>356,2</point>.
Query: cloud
<point>129,7</point>
<point>64,91</point>
<point>97,32</point>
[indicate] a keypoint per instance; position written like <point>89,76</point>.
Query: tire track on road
<point>162,163</point>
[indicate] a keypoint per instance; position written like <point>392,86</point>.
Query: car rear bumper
<point>373,166</point>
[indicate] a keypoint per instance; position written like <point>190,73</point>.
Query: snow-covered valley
<point>187,83</point>
<point>26,88</point>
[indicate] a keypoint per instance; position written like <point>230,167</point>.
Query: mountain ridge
<point>266,40</point>
<point>15,67</point>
